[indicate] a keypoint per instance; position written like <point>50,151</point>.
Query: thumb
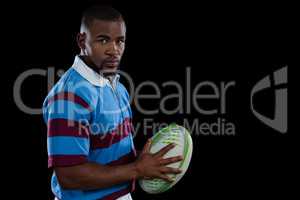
<point>147,146</point>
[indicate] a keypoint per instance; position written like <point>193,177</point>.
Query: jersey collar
<point>91,76</point>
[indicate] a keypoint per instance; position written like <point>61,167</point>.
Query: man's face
<point>103,44</point>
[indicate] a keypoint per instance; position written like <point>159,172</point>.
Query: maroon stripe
<point>116,195</point>
<point>69,97</point>
<point>106,140</point>
<point>64,127</point>
<point>128,158</point>
<point>66,160</point>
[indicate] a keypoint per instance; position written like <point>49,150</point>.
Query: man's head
<point>102,38</point>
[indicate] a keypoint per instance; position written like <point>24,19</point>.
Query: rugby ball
<point>184,147</point>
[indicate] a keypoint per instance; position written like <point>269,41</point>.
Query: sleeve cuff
<point>66,160</point>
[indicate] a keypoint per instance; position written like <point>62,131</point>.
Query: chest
<point>112,110</point>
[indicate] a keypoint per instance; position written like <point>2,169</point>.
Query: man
<point>90,144</point>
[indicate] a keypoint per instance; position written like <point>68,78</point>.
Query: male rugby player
<point>88,116</point>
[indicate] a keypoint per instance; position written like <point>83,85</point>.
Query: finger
<point>147,146</point>
<point>164,150</point>
<point>170,170</point>
<point>171,160</point>
<point>166,178</point>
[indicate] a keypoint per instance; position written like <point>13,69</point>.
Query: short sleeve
<point>67,116</point>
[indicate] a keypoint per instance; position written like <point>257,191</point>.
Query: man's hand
<point>154,165</point>
<point>90,176</point>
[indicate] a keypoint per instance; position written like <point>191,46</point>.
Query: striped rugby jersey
<point>88,119</point>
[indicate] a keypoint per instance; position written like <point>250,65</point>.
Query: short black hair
<point>101,12</point>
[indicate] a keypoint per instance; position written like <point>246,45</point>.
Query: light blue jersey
<point>88,119</point>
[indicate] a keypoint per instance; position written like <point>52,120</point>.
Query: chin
<point>109,69</point>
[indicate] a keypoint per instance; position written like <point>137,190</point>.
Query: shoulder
<point>73,87</point>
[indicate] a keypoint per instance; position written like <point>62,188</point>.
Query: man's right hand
<point>151,166</point>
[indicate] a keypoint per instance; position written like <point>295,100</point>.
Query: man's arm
<point>95,176</point>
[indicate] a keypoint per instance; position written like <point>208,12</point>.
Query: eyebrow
<point>108,38</point>
<point>121,38</point>
<point>103,36</point>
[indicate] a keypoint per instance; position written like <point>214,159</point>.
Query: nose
<point>113,49</point>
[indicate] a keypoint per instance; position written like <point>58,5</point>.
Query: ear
<point>81,37</point>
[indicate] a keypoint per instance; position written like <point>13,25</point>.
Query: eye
<point>103,41</point>
<point>121,42</point>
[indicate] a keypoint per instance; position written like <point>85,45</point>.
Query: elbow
<point>66,180</point>
<point>67,183</point>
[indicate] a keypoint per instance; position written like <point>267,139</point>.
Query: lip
<point>113,62</point>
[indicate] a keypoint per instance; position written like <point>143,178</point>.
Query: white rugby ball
<point>184,147</point>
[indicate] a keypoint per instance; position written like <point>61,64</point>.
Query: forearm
<point>95,176</point>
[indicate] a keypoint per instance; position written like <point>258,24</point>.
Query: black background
<point>219,41</point>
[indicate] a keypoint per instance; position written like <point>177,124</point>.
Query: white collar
<point>90,75</point>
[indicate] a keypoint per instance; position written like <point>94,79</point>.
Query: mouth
<point>111,63</point>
